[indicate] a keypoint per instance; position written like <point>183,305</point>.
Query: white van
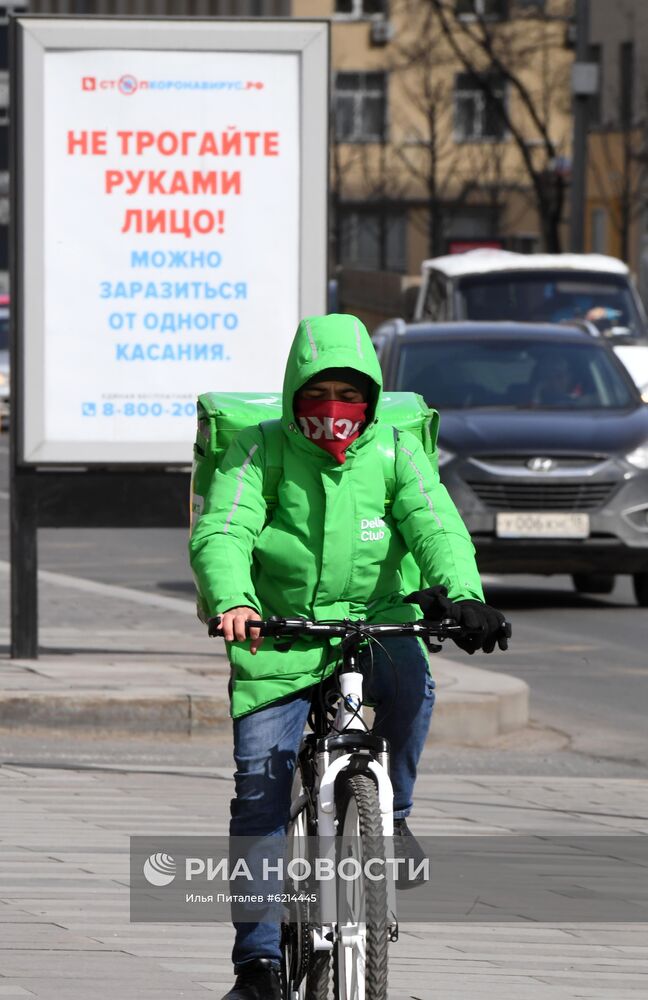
<point>546,288</point>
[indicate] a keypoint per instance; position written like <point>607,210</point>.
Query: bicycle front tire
<point>361,953</point>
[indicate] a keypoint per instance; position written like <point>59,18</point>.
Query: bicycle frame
<point>349,743</point>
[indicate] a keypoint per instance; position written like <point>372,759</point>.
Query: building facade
<point>451,120</point>
<point>617,188</point>
<point>451,127</point>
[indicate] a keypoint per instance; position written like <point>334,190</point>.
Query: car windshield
<point>460,374</point>
<point>553,297</point>
<point>4,333</point>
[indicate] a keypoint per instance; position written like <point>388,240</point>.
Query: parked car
<point>543,444</point>
<point>540,288</point>
<point>4,360</point>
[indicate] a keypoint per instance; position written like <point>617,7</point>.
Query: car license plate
<point>542,525</point>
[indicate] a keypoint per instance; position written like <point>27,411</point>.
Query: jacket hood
<point>334,341</point>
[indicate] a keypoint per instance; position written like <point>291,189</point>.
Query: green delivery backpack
<point>222,415</point>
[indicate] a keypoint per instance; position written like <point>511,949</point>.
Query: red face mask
<point>330,424</point>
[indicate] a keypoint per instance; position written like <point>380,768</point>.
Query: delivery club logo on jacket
<point>371,529</point>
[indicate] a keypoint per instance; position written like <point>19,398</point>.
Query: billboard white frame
<point>37,36</point>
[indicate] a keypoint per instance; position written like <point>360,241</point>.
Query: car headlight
<point>644,392</point>
<point>639,457</point>
<point>444,456</point>
<point>4,378</point>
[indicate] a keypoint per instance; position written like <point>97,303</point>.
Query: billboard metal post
<point>24,573</point>
<point>23,507</point>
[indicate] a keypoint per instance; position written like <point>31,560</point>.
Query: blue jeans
<point>266,743</point>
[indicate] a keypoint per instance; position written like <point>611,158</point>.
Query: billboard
<point>171,224</point>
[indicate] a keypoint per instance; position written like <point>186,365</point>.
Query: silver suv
<point>543,444</point>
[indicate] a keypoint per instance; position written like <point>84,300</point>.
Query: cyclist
<point>329,551</point>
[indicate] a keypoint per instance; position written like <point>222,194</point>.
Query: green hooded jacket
<point>330,549</point>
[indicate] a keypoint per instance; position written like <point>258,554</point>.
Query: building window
<point>490,10</point>
<point>626,83</point>
<point>478,108</point>
<point>360,107</point>
<point>361,8</point>
<point>373,240</point>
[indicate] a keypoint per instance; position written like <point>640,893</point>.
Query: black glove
<point>484,624</point>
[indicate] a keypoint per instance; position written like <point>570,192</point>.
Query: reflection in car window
<point>435,303</point>
<point>4,333</point>
<point>550,298</point>
<point>527,374</point>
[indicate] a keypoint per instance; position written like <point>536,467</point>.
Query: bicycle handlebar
<point>282,628</point>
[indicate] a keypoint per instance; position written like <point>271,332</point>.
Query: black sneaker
<point>407,846</point>
<point>256,980</point>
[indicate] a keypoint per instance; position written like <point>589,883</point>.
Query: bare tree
<point>424,163</point>
<point>619,174</point>
<point>493,53</point>
<point>422,142</point>
<point>362,178</point>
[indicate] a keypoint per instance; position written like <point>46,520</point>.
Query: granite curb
<point>184,696</point>
<point>116,658</point>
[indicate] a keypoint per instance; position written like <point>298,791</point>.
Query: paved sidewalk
<point>116,658</point>
<point>64,908</point>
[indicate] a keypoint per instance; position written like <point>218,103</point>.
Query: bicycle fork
<point>329,766</point>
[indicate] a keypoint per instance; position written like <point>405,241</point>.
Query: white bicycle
<point>342,812</point>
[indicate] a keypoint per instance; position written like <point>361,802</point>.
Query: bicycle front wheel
<point>361,954</point>
<point>305,971</point>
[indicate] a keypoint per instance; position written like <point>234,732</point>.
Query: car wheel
<point>594,583</point>
<point>640,581</point>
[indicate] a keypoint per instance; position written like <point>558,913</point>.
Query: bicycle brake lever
<point>284,645</point>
